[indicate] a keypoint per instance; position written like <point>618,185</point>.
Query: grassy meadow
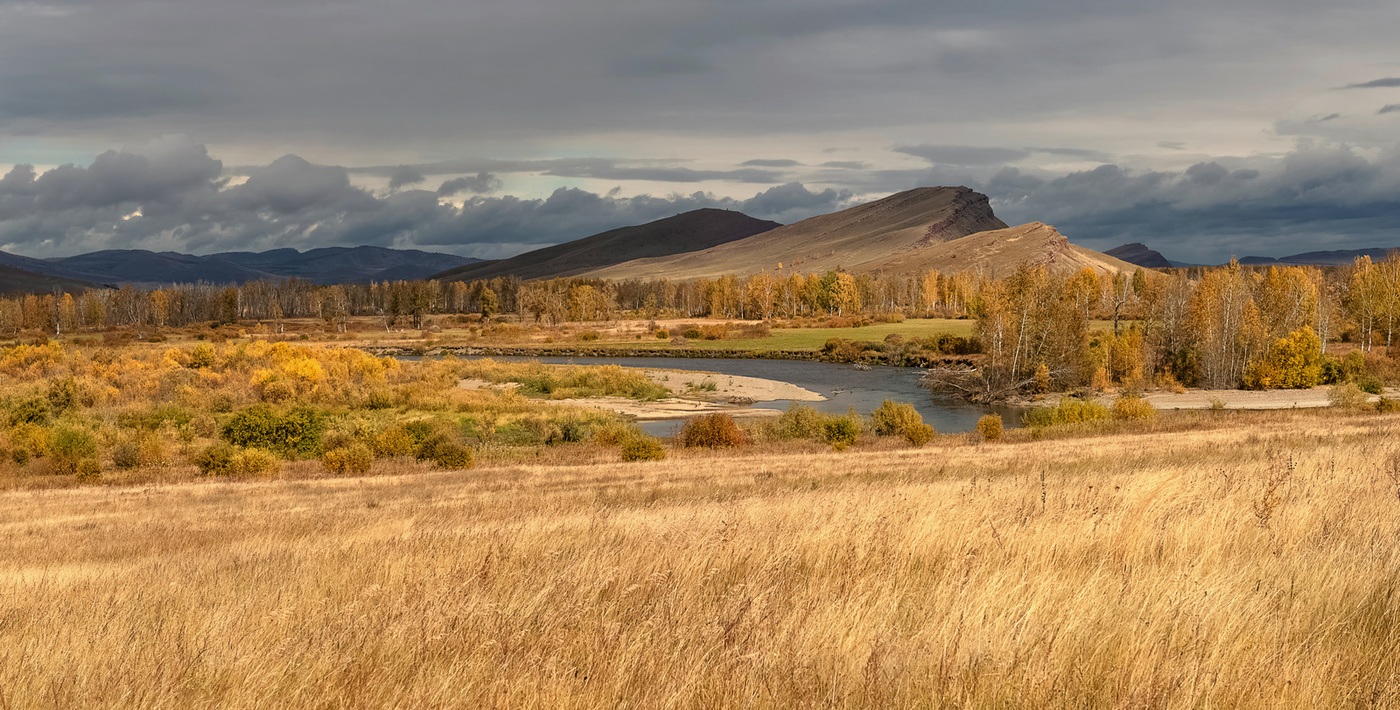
<point>1246,562</point>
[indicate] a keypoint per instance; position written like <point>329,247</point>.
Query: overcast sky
<point>489,127</point>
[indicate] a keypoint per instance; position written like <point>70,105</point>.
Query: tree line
<point>1212,326</point>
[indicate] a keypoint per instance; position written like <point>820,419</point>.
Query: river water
<point>842,385</point>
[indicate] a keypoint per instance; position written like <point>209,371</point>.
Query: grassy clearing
<point>1252,565</point>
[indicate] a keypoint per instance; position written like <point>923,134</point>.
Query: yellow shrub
<point>1132,408</point>
<point>990,427</point>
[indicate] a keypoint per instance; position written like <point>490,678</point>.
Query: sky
<point>490,127</point>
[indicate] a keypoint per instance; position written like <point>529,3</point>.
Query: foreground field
<point>1253,565</point>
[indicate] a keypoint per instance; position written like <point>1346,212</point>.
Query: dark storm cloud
<point>1389,82</point>
<point>170,194</point>
<point>481,183</point>
<point>1388,108</point>
<point>405,175</point>
<point>1313,198</point>
<point>428,72</point>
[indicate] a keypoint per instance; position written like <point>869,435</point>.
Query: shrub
<point>64,394</point>
<point>1346,396</point>
<point>712,431</point>
<point>1068,411</point>
<point>1294,362</point>
<point>662,335</point>
<point>643,449</point>
<point>217,460</point>
<point>920,435</point>
<point>20,456</point>
<point>393,441</point>
<point>616,433</point>
<point>588,335</point>
<point>69,448</point>
<point>34,410</point>
<point>893,418</point>
<point>990,427</point>
<point>88,470</point>
<point>692,334</point>
<point>32,438</point>
<point>800,422</point>
<point>1386,405</point>
<point>277,391</point>
<point>1370,385</point>
<point>342,460</point>
<point>452,455</point>
<point>294,433</point>
<point>1132,408</point>
<point>202,356</point>
<point>840,432</point>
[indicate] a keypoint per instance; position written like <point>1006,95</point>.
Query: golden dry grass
<point>1113,572</point>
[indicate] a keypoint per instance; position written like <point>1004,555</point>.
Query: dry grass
<point>1244,566</point>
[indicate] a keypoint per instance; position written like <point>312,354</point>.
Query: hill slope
<point>686,232</point>
<point>1138,253</point>
<point>862,238</point>
<point>1340,257</point>
<point>1000,251</point>
<point>325,266</point>
<point>13,281</point>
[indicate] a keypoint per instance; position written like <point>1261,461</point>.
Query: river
<point>843,386</point>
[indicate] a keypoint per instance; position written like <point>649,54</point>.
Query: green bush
<point>20,456</point>
<point>662,335</point>
<point>452,455</point>
<point>990,427</point>
<point>643,449</point>
<point>296,432</point>
<point>69,448</point>
<point>1370,385</point>
<point>342,460</point>
<point>1386,405</point>
<point>34,410</point>
<point>840,432</point>
<point>712,431</point>
<point>800,422</point>
<point>217,460</point>
<point>64,394</point>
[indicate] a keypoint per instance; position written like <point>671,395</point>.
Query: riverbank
<point>696,393</point>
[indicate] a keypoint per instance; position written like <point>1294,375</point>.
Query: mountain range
<point>137,266</point>
<point>929,228</point>
<point>686,232</point>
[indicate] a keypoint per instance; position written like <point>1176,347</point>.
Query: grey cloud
<point>482,183</point>
<point>978,156</point>
<point>405,175</point>
<point>598,168</point>
<point>845,164</point>
<point>1386,83</point>
<point>1388,108</point>
<point>170,194</point>
<point>963,155</point>
<point>1171,145</point>
<point>762,163</point>
<point>1312,198</point>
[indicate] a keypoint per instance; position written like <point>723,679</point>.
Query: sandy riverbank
<point>731,394</point>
